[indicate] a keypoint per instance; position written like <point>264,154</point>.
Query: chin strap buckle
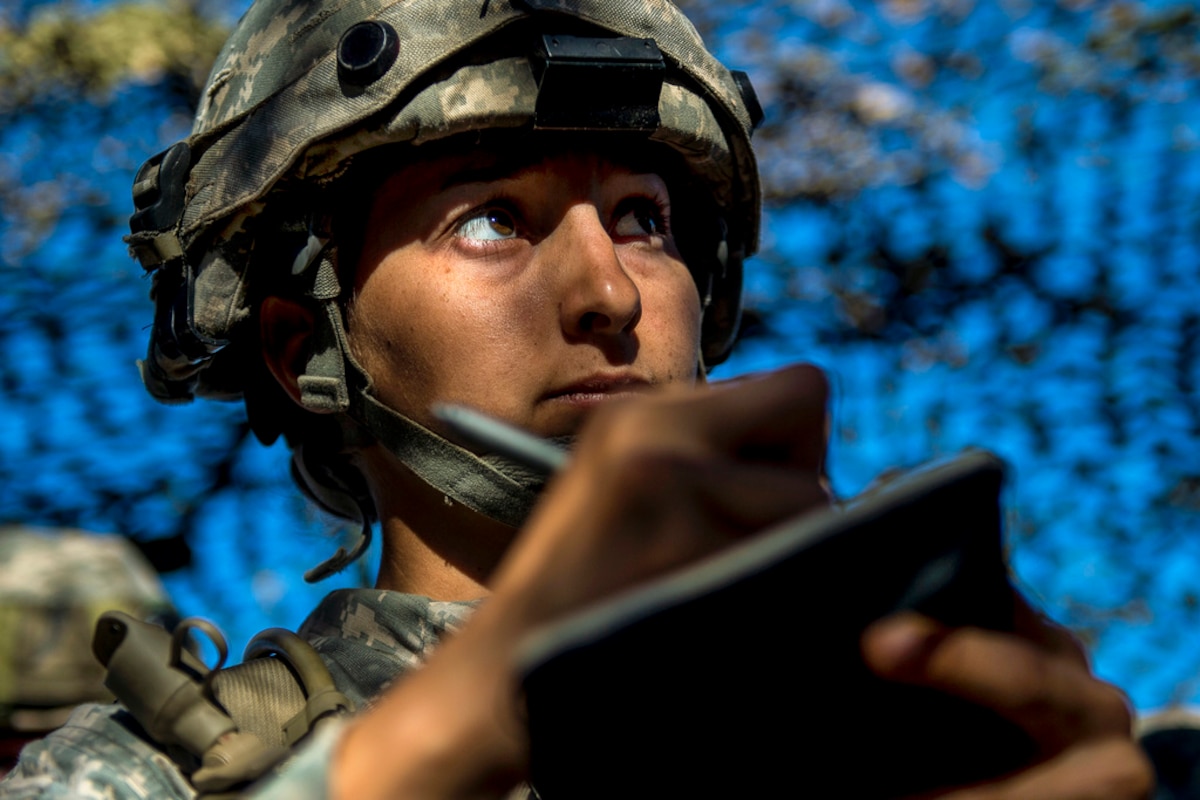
<point>323,386</point>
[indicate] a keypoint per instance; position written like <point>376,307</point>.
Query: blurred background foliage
<point>983,218</point>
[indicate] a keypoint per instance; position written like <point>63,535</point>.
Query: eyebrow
<point>499,168</point>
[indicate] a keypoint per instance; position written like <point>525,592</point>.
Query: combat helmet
<point>302,88</point>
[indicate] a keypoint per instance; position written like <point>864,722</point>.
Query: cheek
<point>399,325</point>
<point>501,313</point>
<point>425,330</point>
<point>671,321</point>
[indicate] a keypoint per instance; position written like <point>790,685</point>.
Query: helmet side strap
<point>323,386</point>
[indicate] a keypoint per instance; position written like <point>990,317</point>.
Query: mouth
<point>597,389</point>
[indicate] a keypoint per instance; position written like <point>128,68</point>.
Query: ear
<point>286,330</point>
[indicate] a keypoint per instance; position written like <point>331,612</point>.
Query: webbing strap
<point>323,386</point>
<point>261,695</point>
<point>281,693</point>
<point>489,486</point>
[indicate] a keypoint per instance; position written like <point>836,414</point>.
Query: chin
<point>564,420</point>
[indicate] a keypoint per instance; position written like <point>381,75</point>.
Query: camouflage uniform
<point>367,637</point>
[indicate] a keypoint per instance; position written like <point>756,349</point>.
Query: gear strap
<point>486,484</point>
<point>323,386</point>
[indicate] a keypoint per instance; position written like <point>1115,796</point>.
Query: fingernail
<point>893,643</point>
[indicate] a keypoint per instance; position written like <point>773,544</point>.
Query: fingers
<point>782,417</point>
<point>657,482</point>
<point>732,497</point>
<point>1031,624</point>
<point>779,418</point>
<point>1048,694</point>
<point>738,458</point>
<point>1106,769</point>
<point>1080,724</point>
<point>747,497</point>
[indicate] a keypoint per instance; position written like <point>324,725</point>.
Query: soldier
<point>538,208</point>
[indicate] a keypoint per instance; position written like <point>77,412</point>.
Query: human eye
<point>640,217</point>
<point>491,224</point>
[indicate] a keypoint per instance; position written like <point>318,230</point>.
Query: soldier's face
<point>530,288</point>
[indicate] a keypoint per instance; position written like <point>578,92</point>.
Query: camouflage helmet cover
<point>277,110</point>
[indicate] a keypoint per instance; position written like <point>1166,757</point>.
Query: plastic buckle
<point>158,196</point>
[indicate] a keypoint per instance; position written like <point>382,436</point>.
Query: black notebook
<point>741,675</point>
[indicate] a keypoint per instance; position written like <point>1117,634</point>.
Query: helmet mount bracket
<point>597,83</point>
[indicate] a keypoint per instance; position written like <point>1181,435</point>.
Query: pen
<point>480,430</point>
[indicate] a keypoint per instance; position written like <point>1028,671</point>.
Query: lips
<point>599,388</point>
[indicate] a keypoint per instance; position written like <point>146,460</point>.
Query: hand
<point>664,480</point>
<point>1038,679</point>
<point>655,483</point>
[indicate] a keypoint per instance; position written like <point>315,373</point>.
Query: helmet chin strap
<point>334,382</point>
<point>489,484</point>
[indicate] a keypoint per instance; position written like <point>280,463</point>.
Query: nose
<point>598,298</point>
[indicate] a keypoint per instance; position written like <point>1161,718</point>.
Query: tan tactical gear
<point>365,639</point>
<point>224,727</point>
